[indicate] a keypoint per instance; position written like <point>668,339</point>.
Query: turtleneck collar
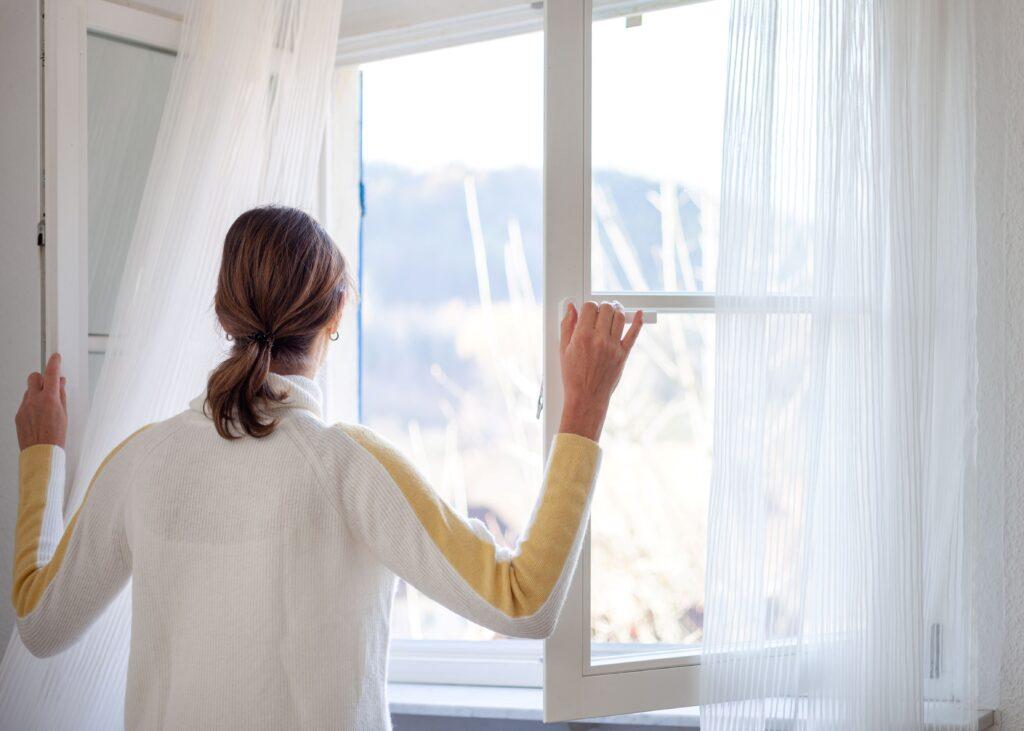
<point>301,393</point>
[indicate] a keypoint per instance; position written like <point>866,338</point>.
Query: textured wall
<point>1007,179</point>
<point>20,331</point>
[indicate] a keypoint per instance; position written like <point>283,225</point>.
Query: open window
<point>106,74</point>
<point>639,109</point>
<point>478,170</point>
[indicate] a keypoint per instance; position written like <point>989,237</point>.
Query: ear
<point>336,322</point>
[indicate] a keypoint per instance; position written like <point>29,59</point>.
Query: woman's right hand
<point>593,354</point>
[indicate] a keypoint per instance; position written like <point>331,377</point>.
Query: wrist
<point>584,418</point>
<point>31,445</point>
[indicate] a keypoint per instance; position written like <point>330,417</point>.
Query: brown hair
<point>282,283</point>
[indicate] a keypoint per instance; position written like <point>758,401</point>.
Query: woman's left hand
<point>42,417</point>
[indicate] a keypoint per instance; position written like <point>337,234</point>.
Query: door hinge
<point>41,232</point>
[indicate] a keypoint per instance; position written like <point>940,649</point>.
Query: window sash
<point>581,681</point>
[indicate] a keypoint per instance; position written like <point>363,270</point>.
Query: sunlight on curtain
<point>243,125</point>
<point>842,520</point>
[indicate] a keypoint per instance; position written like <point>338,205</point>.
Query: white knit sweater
<point>263,569</point>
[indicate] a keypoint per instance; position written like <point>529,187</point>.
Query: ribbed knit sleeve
<point>455,560</point>
<point>65,576</point>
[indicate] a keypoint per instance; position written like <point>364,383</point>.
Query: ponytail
<point>282,283</point>
<point>237,386</point>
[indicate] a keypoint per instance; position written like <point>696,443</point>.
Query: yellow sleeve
<point>515,592</point>
<point>64,576</point>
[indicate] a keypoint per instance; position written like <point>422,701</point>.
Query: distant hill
<point>417,244</point>
<point>418,257</point>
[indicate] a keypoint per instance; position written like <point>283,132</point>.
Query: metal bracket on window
<point>540,399</point>
<point>935,651</point>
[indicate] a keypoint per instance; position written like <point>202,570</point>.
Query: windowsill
<point>511,704</point>
<point>526,704</point>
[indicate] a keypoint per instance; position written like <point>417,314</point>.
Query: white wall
<point>1001,220</point>
<point>20,330</point>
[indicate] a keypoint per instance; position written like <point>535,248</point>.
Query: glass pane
<point>95,364</point>
<point>127,87</point>
<point>648,538</point>
<point>657,101</point>
<point>451,267</point>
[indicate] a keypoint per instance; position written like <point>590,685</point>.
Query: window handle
<point>650,316</point>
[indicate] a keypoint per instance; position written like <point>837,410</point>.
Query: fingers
<point>63,393</point>
<point>588,316</point>
<point>51,379</point>
<point>35,382</point>
<point>634,330</point>
<point>608,318</point>
<point>618,320</point>
<point>605,314</point>
<point>569,320</point>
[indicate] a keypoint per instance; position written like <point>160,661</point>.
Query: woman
<point>263,544</point>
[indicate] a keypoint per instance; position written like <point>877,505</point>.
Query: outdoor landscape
<point>452,374</point>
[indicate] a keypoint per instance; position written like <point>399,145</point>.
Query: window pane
<point>95,364</point>
<point>648,525</point>
<point>127,87</point>
<point>657,109</point>
<point>451,257</point>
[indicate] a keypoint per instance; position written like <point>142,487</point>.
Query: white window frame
<point>66,25</point>
<point>617,678</point>
<point>578,683</point>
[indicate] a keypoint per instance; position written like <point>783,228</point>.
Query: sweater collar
<point>300,393</point>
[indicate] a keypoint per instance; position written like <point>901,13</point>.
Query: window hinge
<point>935,652</point>
<point>42,36</point>
<point>540,400</point>
<point>41,232</point>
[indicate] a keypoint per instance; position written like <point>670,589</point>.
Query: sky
<point>658,91</point>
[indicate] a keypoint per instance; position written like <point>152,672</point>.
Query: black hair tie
<point>262,339</point>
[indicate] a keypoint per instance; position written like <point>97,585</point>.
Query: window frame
<point>576,685</point>
<point>64,225</point>
<point>577,682</point>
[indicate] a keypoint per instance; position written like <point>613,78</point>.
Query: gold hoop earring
<point>335,335</point>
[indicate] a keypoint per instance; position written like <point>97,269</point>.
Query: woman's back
<point>253,604</point>
<point>263,568</point>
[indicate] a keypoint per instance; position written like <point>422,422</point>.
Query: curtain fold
<point>842,520</point>
<point>243,124</point>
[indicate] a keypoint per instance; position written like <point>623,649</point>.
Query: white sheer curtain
<point>243,124</point>
<point>842,521</point>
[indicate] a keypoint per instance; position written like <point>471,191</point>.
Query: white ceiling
<point>359,17</point>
